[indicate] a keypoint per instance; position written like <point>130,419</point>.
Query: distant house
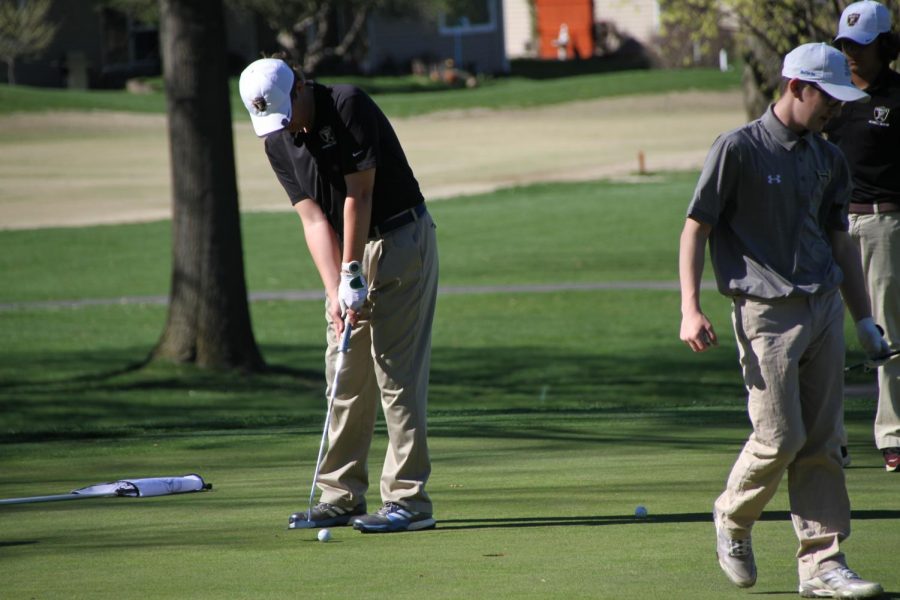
<point>575,28</point>
<point>100,47</point>
<point>473,39</point>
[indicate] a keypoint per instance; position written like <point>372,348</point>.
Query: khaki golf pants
<point>792,356</point>
<point>878,237</point>
<point>388,362</point>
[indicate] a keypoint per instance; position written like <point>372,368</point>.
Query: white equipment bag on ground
<point>134,488</point>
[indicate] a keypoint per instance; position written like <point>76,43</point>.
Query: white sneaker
<point>735,557</point>
<point>840,583</point>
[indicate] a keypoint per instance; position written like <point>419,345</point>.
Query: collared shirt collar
<point>786,138</point>
<point>880,81</point>
<point>301,137</point>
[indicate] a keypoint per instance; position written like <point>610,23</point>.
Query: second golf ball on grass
<point>640,512</point>
<point>324,535</point>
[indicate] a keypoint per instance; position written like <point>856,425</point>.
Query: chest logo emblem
<point>327,135</point>
<point>773,179</point>
<point>880,116</point>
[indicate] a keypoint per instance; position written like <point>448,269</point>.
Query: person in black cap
<point>373,243</point>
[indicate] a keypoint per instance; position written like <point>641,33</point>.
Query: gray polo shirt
<point>771,197</point>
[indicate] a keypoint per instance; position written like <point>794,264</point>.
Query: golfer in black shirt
<point>373,243</point>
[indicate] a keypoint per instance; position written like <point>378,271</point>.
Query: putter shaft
<point>866,364</point>
<point>338,365</point>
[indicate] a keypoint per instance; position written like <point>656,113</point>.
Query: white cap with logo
<point>266,92</point>
<point>864,21</point>
<point>825,66</point>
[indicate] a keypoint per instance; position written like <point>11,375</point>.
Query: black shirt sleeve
<point>359,151</point>
<point>284,173</point>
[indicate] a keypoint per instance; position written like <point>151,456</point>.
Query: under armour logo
<point>773,179</point>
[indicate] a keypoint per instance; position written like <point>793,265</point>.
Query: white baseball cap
<point>825,66</point>
<point>266,92</point>
<point>864,21</point>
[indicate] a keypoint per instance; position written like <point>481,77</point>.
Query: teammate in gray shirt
<point>772,202</point>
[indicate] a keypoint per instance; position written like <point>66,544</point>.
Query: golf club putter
<point>867,363</point>
<point>338,364</point>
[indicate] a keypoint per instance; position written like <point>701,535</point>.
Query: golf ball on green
<point>641,511</point>
<point>324,535</point>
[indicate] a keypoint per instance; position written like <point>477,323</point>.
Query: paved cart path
<point>318,295</point>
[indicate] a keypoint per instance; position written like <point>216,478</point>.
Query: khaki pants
<point>878,237</point>
<point>389,360</point>
<point>792,356</point>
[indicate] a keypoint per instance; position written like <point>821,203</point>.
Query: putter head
<point>298,521</point>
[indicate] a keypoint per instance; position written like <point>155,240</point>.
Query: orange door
<point>565,28</point>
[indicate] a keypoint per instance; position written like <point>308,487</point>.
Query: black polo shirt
<point>869,135</point>
<point>350,134</point>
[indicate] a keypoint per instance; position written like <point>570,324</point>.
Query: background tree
<point>308,29</point>
<point>146,11</point>
<point>764,33</point>
<point>312,32</point>
<point>24,31</point>
<point>209,319</point>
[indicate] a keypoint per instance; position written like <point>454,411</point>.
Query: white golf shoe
<point>735,557</point>
<point>840,583</point>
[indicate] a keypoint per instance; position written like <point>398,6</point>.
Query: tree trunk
<point>11,71</point>
<point>209,317</point>
<point>761,77</point>
<point>755,99</point>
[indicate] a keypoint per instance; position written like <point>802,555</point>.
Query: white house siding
<point>518,29</point>
<point>637,18</point>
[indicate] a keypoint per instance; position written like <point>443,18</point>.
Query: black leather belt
<point>876,208</point>
<point>397,221</point>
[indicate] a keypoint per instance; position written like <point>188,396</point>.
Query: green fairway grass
<point>394,97</point>
<point>553,415</point>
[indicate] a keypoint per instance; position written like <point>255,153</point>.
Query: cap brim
<point>860,38</point>
<point>270,123</point>
<point>844,93</point>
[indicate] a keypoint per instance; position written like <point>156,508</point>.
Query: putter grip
<point>345,338</point>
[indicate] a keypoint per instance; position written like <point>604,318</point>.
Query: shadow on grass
<point>22,543</point>
<point>78,369</point>
<point>596,520</point>
<point>527,392</point>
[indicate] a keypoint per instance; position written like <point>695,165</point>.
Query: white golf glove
<point>352,291</point>
<point>871,338</point>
